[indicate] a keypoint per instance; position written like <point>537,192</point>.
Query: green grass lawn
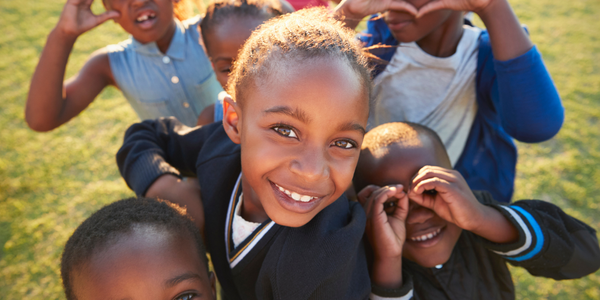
<point>50,182</point>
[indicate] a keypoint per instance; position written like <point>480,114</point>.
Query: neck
<point>252,209</point>
<point>443,41</point>
<point>163,42</point>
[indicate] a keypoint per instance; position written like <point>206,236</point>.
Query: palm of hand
<point>77,17</point>
<point>452,209</point>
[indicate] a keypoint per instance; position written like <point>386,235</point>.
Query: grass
<point>50,182</point>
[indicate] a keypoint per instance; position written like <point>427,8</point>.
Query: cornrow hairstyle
<point>299,36</point>
<point>116,219</point>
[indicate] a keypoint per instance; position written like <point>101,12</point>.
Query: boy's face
<point>224,41</point>
<point>300,131</point>
<point>406,28</point>
<point>147,263</point>
<point>399,165</point>
<point>146,20</point>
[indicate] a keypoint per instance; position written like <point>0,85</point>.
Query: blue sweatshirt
<point>516,99</point>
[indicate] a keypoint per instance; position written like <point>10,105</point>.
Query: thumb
<point>430,6</point>
<point>105,16</point>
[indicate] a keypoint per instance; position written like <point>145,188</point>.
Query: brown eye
<point>285,131</point>
<point>344,144</point>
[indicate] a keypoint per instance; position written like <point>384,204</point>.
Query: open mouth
<point>427,236</point>
<point>146,19</point>
<point>294,195</point>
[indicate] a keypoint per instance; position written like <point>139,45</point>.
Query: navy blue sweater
<point>516,99</point>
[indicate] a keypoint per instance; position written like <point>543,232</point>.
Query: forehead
<point>397,164</point>
<point>141,260</point>
<point>318,84</point>
<point>228,36</point>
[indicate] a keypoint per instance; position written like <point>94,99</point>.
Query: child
<point>161,69</point>
<point>273,173</point>
<point>225,27</point>
<point>477,89</point>
<point>455,242</point>
<point>137,249</point>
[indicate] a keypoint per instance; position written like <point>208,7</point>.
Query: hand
<point>461,5</point>
<point>358,9</point>
<point>446,192</point>
<point>185,193</point>
<point>77,17</point>
<point>386,208</point>
<point>386,231</point>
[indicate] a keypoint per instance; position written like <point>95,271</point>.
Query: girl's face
<point>300,131</point>
<point>224,41</point>
<point>146,20</point>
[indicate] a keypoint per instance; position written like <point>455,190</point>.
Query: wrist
<point>387,273</point>
<point>492,9</point>
<point>64,36</point>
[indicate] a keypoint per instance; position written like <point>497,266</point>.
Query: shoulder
<point>99,64</point>
<point>192,22</point>
<point>119,47</point>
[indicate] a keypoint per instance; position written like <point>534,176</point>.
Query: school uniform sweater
<point>551,244</point>
<point>323,259</point>
<point>515,99</point>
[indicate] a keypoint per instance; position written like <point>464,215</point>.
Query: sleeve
<point>529,105</point>
<point>156,147</point>
<point>551,243</point>
<point>403,293</point>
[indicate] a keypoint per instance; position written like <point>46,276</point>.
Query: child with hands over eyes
<point>456,242</point>
<point>478,89</point>
<point>161,69</point>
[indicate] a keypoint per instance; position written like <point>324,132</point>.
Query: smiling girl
<point>274,172</point>
<point>161,69</point>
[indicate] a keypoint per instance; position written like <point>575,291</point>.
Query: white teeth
<point>145,17</point>
<point>426,236</point>
<point>296,196</point>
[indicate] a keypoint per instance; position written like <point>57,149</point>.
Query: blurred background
<point>50,182</point>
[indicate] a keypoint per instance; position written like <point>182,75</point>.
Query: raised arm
<point>50,102</point>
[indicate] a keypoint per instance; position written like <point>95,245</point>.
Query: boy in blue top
<point>477,89</point>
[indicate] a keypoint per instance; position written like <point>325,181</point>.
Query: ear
<point>231,119</point>
<point>213,287</point>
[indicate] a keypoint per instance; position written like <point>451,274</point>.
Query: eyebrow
<point>286,110</point>
<point>352,126</point>
<point>179,278</point>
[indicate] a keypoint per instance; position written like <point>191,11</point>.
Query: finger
<point>402,209</point>
<point>365,193</point>
<point>103,17</point>
<point>435,183</point>
<point>375,198</point>
<point>403,6</point>
<point>430,6</point>
<point>427,172</point>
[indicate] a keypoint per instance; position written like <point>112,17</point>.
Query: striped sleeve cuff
<point>531,236</point>
<point>403,293</point>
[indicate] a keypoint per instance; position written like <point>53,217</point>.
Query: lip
<point>295,206</point>
<point>396,25</point>
<point>430,242</point>
<point>148,24</point>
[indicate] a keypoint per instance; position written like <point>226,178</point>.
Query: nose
<point>137,3</point>
<point>418,214</point>
<point>311,165</point>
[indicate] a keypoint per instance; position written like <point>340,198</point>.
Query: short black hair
<point>117,219</point>
<point>220,10</point>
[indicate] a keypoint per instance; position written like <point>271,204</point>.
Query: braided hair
<point>300,36</point>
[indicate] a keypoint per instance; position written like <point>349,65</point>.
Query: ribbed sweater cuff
<point>146,169</point>
<point>403,293</point>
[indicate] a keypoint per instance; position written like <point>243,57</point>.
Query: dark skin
<point>223,42</point>
<point>435,201</point>
<point>436,25</point>
<point>52,102</point>
<point>145,263</point>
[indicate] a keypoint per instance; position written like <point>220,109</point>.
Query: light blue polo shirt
<point>180,83</point>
